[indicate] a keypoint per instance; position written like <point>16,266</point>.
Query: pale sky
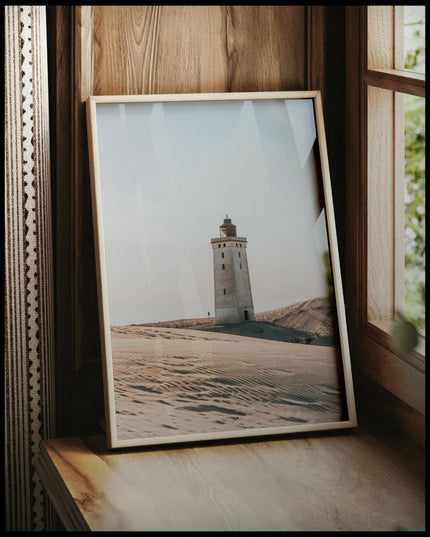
<point>170,172</point>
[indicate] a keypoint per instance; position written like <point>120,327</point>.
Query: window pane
<point>414,38</point>
<point>415,209</point>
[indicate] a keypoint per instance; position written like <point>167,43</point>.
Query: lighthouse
<point>233,297</point>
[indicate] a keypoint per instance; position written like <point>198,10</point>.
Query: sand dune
<point>316,317</point>
<point>271,331</point>
<point>171,381</point>
<point>182,323</point>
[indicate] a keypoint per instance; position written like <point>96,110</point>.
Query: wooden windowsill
<point>416,358</point>
<point>347,481</point>
<point>404,376</point>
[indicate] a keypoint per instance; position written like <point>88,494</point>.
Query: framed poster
<point>220,296</point>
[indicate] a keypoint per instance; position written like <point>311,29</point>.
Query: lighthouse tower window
<point>222,255</point>
<point>239,254</point>
<point>225,291</point>
<point>240,264</point>
<point>223,266</point>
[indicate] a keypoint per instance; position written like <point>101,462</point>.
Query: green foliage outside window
<point>404,334</point>
<point>414,309</point>
<point>415,210</point>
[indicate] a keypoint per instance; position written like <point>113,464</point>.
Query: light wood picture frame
<point>220,295</point>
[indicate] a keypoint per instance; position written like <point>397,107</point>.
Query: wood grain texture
<point>86,344</point>
<point>191,49</point>
<point>326,483</point>
<point>355,174</point>
<point>380,203</point>
<point>333,95</point>
<point>59,494</point>
<point>380,37</point>
<point>377,406</point>
<point>397,376</point>
<point>59,36</point>
<point>317,45</point>
<point>402,81</point>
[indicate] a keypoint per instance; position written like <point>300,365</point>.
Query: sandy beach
<point>171,381</point>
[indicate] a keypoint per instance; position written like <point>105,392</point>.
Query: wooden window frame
<point>374,257</point>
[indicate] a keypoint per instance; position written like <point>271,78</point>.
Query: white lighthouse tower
<point>233,297</point>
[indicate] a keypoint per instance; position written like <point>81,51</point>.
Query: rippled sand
<point>171,381</point>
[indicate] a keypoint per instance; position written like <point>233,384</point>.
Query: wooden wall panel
<point>188,49</point>
<point>355,170</point>
<point>107,50</point>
